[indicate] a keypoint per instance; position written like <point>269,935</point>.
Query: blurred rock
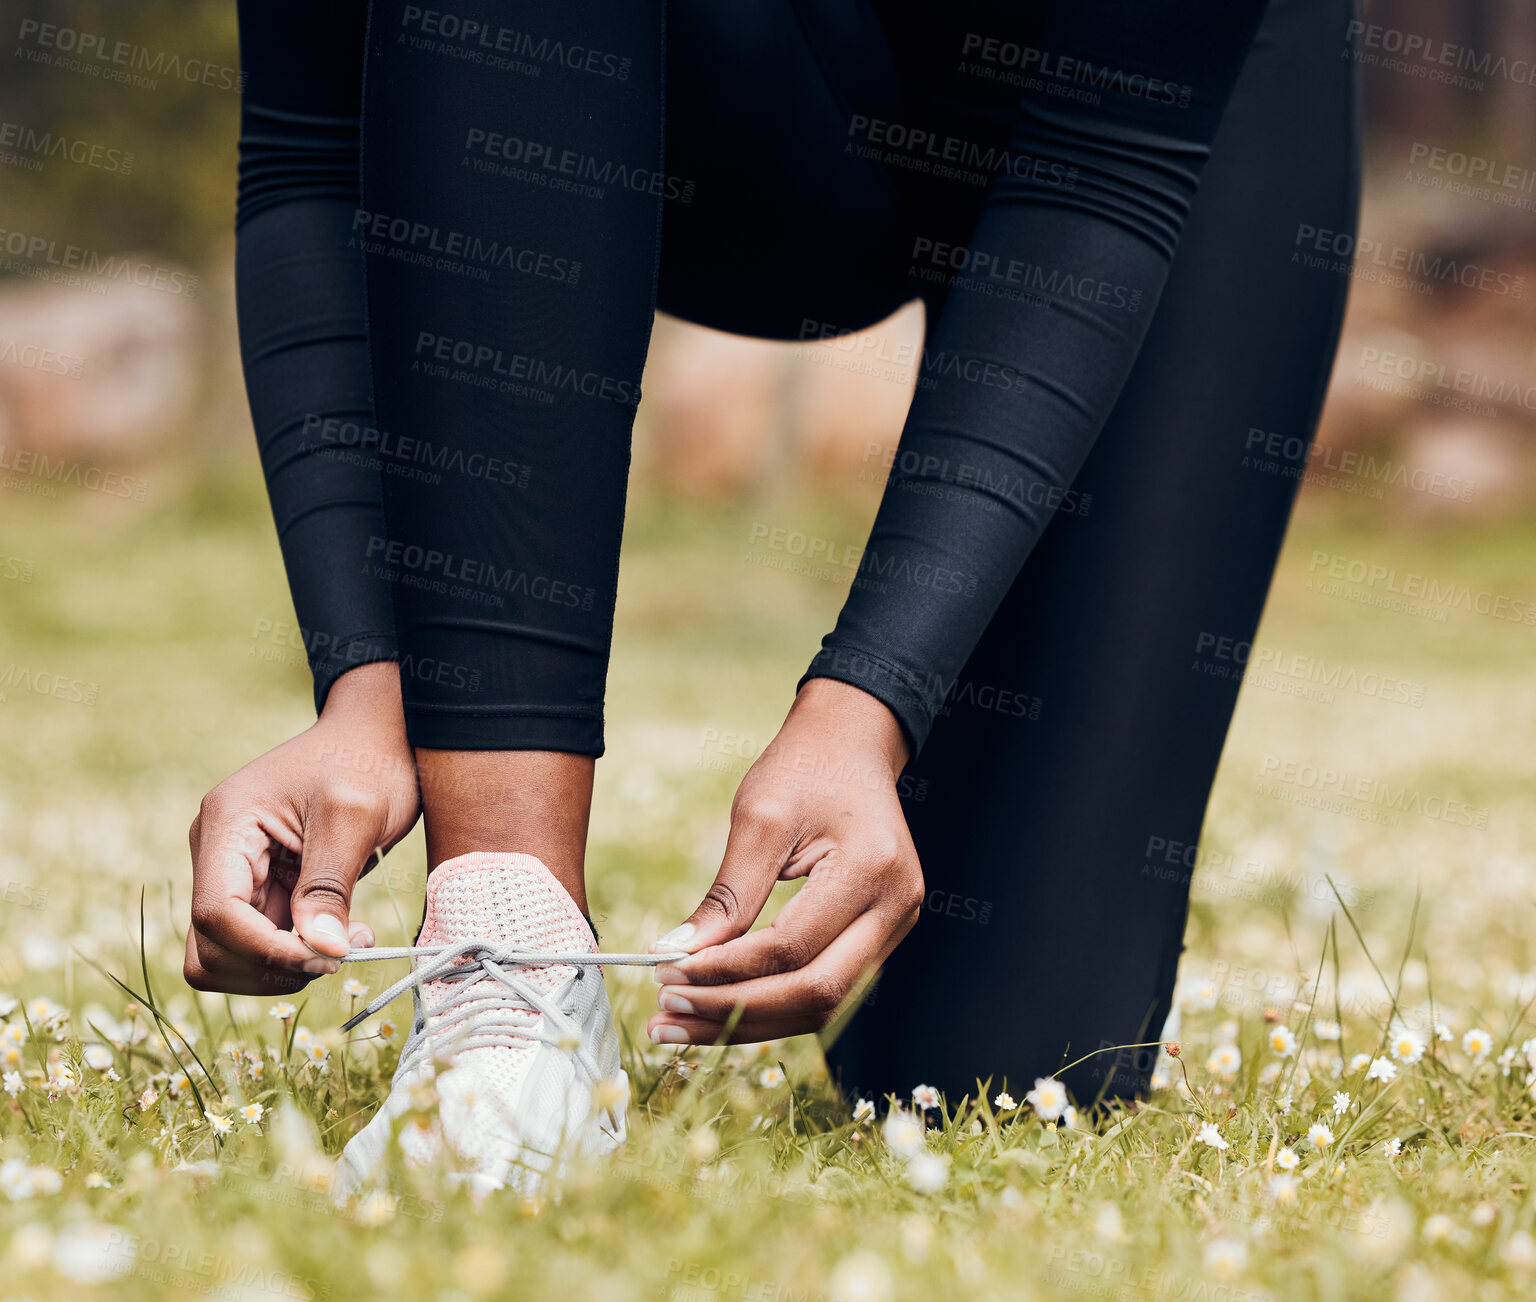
<point>106,375</point>
<point>727,414</point>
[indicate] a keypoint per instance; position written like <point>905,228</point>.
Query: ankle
<point>530,802</point>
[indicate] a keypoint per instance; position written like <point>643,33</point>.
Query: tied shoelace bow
<point>496,1000</point>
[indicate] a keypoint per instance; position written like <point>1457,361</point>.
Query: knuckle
<point>791,953</point>
<point>766,813</point>
<point>821,993</point>
<point>722,900</point>
<point>206,914</point>
<point>322,885</point>
<point>197,976</point>
<point>349,804</point>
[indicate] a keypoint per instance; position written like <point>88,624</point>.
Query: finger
<point>235,979</point>
<point>360,934</point>
<point>339,839</point>
<point>833,896</point>
<point>229,847</point>
<point>221,962</point>
<point>697,1030</point>
<point>762,837</point>
<point>807,998</point>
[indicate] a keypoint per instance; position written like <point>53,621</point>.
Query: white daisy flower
<point>770,1077</point>
<point>1211,1136</point>
<point>1359,1063</point>
<point>43,1010</point>
<point>1519,1251</point>
<point>1225,1258</point>
<point>147,1099</point>
<point>1477,1044</point>
<point>376,1208</point>
<point>1048,1098</point>
<point>904,1133</point>
<point>1282,1041</point>
<point>1406,1047</point>
<point>386,1030</point>
<point>353,988</point>
<point>1286,1159</point>
<point>927,1172</point>
<point>1382,1070</point>
<point>1392,1147</point>
<point>14,1083</point>
<point>1004,1102</point>
<point>1438,1228</point>
<point>45,1180</point>
<point>925,1097</point>
<point>221,1125</point>
<point>282,1011</point>
<point>863,1110</point>
<point>1200,996</point>
<point>252,1112</point>
<point>1225,1060</point>
<point>15,1179</point>
<point>1341,1102</point>
<point>1319,1136</point>
<point>1283,1187</point>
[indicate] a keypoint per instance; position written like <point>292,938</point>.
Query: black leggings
<point>1112,210</point>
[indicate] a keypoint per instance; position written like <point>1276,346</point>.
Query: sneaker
<point>519,1047</point>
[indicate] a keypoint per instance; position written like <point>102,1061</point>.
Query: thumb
<point>339,842</point>
<point>759,844</point>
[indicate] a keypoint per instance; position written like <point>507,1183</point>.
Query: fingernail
<point>361,935</point>
<point>325,927</point>
<point>322,966</point>
<point>667,1034</point>
<point>677,938</point>
<point>675,1003</point>
<point>671,976</point>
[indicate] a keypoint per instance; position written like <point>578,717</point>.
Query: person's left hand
<point>820,803</point>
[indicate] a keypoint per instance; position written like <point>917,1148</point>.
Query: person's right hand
<point>278,847</point>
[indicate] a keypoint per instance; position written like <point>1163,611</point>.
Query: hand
<point>278,847</point>
<point>819,803</point>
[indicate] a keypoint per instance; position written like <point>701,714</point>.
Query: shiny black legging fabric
<point>454,226</point>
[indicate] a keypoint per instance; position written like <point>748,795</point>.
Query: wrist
<point>368,694</point>
<point>855,716</point>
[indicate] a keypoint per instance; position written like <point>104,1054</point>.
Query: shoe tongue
<point>512,898</point>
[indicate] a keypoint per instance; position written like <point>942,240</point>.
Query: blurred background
<point>147,641</point>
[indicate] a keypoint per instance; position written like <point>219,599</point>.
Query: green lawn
<point>736,1186</point>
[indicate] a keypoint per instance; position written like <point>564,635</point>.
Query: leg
<point>1047,934</point>
<point>303,337</point>
<point>510,226</point>
<point>505,585</point>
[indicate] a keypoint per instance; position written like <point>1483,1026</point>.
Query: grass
<point>745,1180</point>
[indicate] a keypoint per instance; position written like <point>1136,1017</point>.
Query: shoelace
<point>489,994</point>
